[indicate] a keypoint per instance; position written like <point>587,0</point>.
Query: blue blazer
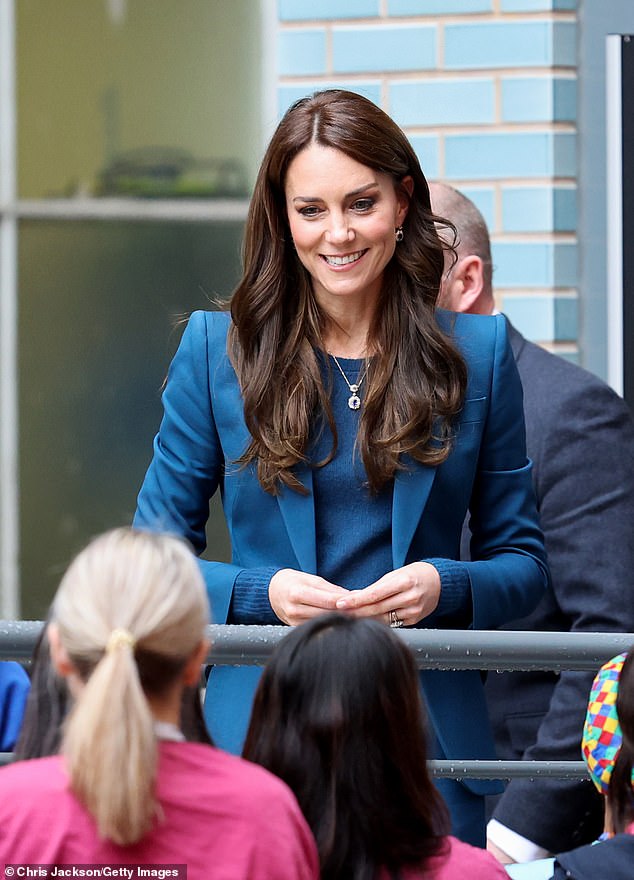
<point>14,690</point>
<point>487,473</point>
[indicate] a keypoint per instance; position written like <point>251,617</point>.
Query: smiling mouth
<point>344,260</point>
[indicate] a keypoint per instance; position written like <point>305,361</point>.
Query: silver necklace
<point>354,401</point>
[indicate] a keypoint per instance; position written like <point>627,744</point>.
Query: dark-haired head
<point>338,716</point>
<point>46,706</point>
<point>620,797</point>
<point>416,380</point>
<point>354,125</point>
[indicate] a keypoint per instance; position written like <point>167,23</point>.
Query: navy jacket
<point>611,859</point>
<point>580,438</point>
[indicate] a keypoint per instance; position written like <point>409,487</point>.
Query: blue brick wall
<point>486,92</point>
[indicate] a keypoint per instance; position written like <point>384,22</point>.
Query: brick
<point>542,317</point>
<point>539,99</point>
<point>370,49</point>
<point>537,5</point>
<point>532,315</point>
<point>301,52</point>
<point>443,102</point>
<point>307,10</point>
<point>509,44</point>
<point>427,148</point>
<point>484,200</point>
<point>525,264</point>
<point>438,7</point>
<point>500,155</point>
<point>539,209</point>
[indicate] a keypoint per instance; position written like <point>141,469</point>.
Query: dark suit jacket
<point>611,858</point>
<point>203,432</point>
<point>580,437</point>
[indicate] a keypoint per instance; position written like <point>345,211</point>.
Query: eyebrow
<point>355,192</point>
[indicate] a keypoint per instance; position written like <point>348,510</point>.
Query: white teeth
<point>343,261</point>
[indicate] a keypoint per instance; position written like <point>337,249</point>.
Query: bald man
<point>580,437</point>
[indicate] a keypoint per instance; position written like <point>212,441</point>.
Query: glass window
<point>138,138</point>
<point>153,97</point>
<point>102,307</point>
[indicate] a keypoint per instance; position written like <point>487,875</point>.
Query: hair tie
<point>120,638</point>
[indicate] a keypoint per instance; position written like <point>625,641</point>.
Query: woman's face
<point>343,217</point>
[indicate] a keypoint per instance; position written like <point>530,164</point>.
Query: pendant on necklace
<point>354,401</point>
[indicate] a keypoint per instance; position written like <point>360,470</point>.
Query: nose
<point>339,232</point>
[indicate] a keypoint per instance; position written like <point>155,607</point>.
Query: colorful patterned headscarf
<point>601,731</point>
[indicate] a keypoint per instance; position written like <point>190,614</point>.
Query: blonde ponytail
<point>130,611</point>
<point>110,749</point>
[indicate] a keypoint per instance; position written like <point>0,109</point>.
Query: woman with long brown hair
<point>350,425</point>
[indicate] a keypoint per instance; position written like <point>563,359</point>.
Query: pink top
<point>457,861</point>
<point>224,817</point>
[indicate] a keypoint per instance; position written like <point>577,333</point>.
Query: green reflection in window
<point>100,304</point>
<point>137,97</point>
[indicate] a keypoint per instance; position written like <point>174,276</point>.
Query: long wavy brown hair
<point>416,379</point>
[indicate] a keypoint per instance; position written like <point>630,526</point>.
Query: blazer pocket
<point>473,410</point>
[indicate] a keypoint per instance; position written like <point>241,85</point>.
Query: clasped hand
<point>412,592</point>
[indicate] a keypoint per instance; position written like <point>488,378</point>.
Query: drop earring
<point>398,234</point>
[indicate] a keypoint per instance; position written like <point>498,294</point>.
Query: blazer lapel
<point>298,513</point>
<point>411,491</point>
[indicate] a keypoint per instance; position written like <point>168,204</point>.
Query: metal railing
<point>498,650</point>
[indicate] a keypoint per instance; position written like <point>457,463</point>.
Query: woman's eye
<point>309,211</point>
<point>363,204</point>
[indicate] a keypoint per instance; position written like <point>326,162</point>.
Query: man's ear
<point>59,657</point>
<point>191,673</point>
<point>468,280</point>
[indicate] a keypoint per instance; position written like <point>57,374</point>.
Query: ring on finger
<point>395,620</point>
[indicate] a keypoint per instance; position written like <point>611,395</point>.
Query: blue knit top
<point>353,528</point>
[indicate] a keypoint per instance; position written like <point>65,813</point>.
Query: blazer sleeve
<point>14,689</point>
<point>508,571</point>
<point>188,464</point>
